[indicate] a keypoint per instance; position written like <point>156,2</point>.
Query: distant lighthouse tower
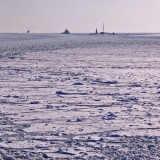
<point>103,30</point>
<point>96,31</point>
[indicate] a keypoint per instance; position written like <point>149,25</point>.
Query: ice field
<point>79,96</point>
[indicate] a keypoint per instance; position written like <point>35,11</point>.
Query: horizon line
<point>79,32</point>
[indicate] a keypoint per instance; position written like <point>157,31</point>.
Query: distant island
<point>66,32</point>
<point>96,33</point>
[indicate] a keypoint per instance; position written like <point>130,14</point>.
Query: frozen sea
<point>79,96</point>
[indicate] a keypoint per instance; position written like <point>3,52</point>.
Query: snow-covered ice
<point>79,96</point>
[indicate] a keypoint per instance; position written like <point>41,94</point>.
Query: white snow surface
<point>80,96</point>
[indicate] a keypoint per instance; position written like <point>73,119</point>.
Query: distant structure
<point>95,33</point>
<point>103,30</point>
<point>66,32</point>
<point>28,31</point>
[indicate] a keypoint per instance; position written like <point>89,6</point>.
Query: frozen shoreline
<point>88,97</point>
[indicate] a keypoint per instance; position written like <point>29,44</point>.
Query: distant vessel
<point>66,32</point>
<point>103,30</point>
<point>28,31</point>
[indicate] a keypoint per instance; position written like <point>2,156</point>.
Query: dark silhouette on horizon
<point>103,30</point>
<point>96,30</point>
<point>66,32</point>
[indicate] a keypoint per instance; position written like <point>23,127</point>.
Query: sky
<point>79,16</point>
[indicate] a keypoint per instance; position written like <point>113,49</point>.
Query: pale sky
<point>79,16</point>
